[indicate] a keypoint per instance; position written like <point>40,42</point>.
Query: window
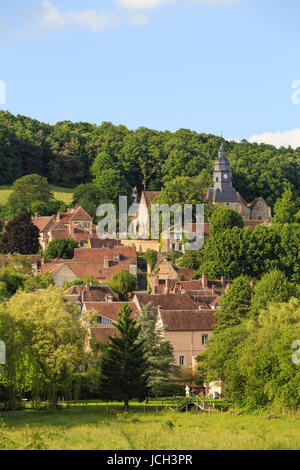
<point>103,320</point>
<point>204,340</point>
<point>181,360</point>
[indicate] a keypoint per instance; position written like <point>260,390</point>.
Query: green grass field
<point>62,194</point>
<point>102,427</point>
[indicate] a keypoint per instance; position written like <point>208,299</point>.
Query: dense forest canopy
<point>65,153</point>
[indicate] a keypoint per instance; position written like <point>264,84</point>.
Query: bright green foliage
<point>29,189</point>
<point>45,343</point>
<point>182,190</point>
<point>190,259</point>
<point>224,218</point>
<point>252,252</point>
<point>254,359</point>
<point>89,197</point>
<point>81,281</point>
<point>273,287</point>
<point>20,236</point>
<point>235,303</point>
<point>38,282</point>
<point>102,162</point>
<point>123,365</point>
<point>113,184</point>
<point>151,257</point>
<point>158,352</point>
<point>123,283</point>
<point>61,248</point>
<point>4,294</point>
<point>285,208</point>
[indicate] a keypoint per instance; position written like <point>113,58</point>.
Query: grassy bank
<point>101,427</point>
<point>62,194</point>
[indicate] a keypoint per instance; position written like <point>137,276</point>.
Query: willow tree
<point>49,339</point>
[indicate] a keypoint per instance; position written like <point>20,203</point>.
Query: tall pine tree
<point>158,351</point>
<point>123,364</point>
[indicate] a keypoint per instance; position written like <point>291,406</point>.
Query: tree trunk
<point>126,405</point>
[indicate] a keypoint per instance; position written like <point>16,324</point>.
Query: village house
<point>100,263</point>
<point>186,311</point>
<point>75,224</point>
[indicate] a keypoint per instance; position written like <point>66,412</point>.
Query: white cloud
<point>139,20</point>
<point>48,17</point>
<point>136,4</point>
<point>92,20</point>
<point>278,139</point>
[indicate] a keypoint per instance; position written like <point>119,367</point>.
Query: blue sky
<point>216,66</point>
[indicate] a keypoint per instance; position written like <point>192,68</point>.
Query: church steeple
<point>223,189</point>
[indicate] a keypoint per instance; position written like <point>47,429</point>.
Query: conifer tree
<point>158,351</point>
<point>123,364</point>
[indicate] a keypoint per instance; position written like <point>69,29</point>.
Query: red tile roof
<point>102,334</point>
<point>168,301</point>
<point>150,196</point>
<point>42,222</point>
<point>111,310</point>
<point>188,320</point>
<point>253,223</point>
<point>186,273</point>
<point>80,214</point>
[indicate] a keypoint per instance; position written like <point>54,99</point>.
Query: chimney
<point>58,217</point>
<point>223,281</point>
<point>213,289</point>
<point>106,262</point>
<point>87,286</point>
<point>36,214</point>
<point>204,280</point>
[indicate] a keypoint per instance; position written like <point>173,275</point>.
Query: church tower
<point>223,191</point>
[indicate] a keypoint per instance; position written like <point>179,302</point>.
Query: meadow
<point>153,427</point>
<point>62,194</point>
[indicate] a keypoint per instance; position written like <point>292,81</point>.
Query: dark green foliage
<point>20,236</point>
<point>168,390</point>
<point>113,184</point>
<point>47,208</point>
<point>64,154</point>
<point>29,189</point>
<point>123,364</point>
<point>12,280</point>
<point>224,218</point>
<point>89,197</point>
<point>123,283</point>
<point>158,352</point>
<point>61,248</point>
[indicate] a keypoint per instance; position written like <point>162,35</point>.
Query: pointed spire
<point>222,153</point>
